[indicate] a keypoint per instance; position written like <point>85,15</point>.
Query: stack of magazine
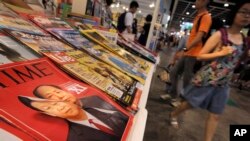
<point>43,64</point>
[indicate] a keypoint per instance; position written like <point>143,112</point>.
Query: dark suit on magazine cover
<point>115,120</point>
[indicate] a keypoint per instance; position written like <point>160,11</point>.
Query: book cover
<point>49,23</point>
<point>133,48</point>
<point>132,59</point>
<point>12,51</point>
<point>40,102</point>
<point>95,73</point>
<point>81,43</point>
<point>8,21</point>
<point>39,42</point>
<point>23,12</point>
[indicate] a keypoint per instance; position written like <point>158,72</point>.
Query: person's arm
<point>19,3</point>
<point>211,44</point>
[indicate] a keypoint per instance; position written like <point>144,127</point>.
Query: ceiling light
<point>187,13</point>
<point>152,5</point>
<point>193,6</point>
<point>126,9</point>
<point>117,5</point>
<point>139,11</point>
<point>224,21</point>
<point>123,7</point>
<point>112,5</point>
<point>182,18</point>
<point>226,5</point>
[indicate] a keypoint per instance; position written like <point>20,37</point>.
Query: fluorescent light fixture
<point>187,13</point>
<point>226,5</point>
<point>193,6</point>
<point>152,5</point>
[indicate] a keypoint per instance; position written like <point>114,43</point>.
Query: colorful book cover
<point>132,59</point>
<point>39,42</point>
<point>50,23</point>
<point>15,23</point>
<point>133,48</point>
<point>6,10</point>
<point>98,74</point>
<point>23,12</point>
<point>12,51</point>
<point>40,102</point>
<point>80,42</point>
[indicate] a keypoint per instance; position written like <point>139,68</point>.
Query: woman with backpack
<point>209,88</point>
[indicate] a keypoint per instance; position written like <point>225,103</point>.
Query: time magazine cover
<point>132,59</point>
<point>80,42</point>
<point>39,102</point>
<point>39,42</point>
<point>12,51</point>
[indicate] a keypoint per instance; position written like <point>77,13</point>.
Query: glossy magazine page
<point>132,59</point>
<point>80,42</point>
<point>39,42</point>
<point>12,51</point>
<point>97,74</point>
<point>39,102</point>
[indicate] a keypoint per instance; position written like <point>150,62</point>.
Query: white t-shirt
<point>128,21</point>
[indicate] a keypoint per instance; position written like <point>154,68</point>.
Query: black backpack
<point>121,22</point>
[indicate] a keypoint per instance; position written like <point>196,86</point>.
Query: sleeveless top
<point>219,71</point>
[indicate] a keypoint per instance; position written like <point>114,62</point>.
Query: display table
<point>137,131</point>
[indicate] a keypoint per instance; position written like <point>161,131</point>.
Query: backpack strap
<point>224,37</point>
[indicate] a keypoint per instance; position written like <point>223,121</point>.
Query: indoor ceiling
<point>181,7</point>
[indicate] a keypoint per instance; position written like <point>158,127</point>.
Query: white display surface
<point>138,128</point>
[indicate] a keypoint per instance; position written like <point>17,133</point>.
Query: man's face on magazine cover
<point>58,109</point>
<point>53,93</point>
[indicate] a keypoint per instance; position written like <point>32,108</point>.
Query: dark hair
<point>109,2</point>
<point>37,94</point>
<point>134,4</point>
<point>149,18</point>
<point>27,102</point>
<point>248,33</point>
<point>234,11</point>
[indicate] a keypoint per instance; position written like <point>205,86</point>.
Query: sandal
<point>173,122</point>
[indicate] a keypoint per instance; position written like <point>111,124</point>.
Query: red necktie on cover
<point>101,127</point>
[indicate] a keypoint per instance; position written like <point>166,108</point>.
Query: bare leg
<point>211,125</point>
<point>183,107</point>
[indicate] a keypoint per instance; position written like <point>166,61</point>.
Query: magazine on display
<point>132,59</point>
<point>52,101</point>
<point>80,42</point>
<point>12,51</point>
<point>89,70</point>
<point>7,21</point>
<point>133,48</point>
<point>23,12</point>
<point>39,42</point>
